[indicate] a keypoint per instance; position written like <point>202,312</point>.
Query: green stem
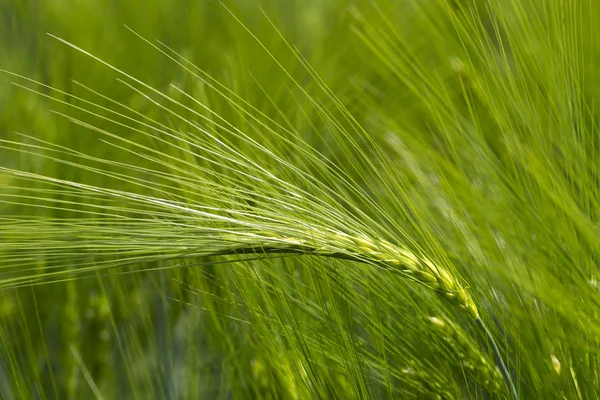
<point>499,359</point>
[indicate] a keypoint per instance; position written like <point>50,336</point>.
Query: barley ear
<point>470,355</point>
<point>422,270</point>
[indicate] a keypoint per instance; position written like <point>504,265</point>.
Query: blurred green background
<point>480,117</point>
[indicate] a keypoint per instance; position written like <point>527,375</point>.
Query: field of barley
<point>299,199</point>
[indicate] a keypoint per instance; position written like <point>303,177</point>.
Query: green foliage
<point>206,200</point>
